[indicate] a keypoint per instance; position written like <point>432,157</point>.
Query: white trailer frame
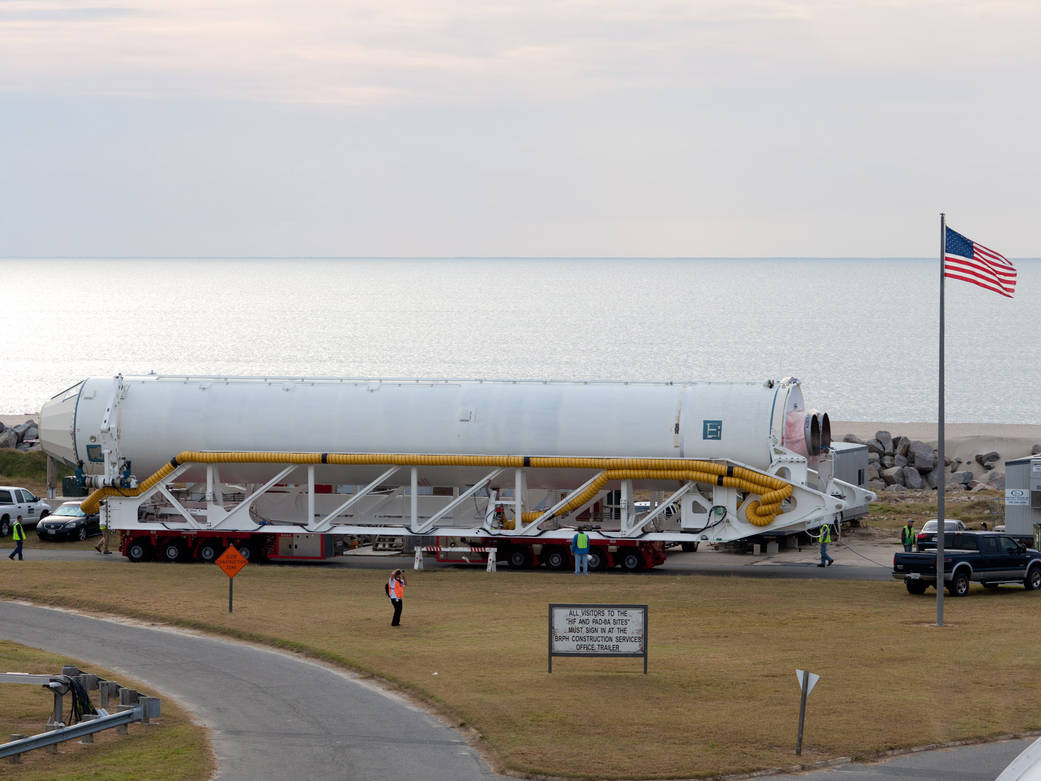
<point>687,511</point>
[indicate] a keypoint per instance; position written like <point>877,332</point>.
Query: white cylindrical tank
<point>153,418</point>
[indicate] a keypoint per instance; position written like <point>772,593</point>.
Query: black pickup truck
<point>989,558</point>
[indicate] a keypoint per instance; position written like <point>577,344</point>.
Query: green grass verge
<point>720,697</point>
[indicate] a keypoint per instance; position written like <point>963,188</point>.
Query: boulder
<point>899,460</point>
<point>895,488</point>
<point>1035,450</point>
<point>2,426</point>
<point>33,432</point>
<point>900,445</point>
<point>996,480</point>
<point>953,464</point>
<point>932,479</point>
<point>921,456</point>
<point>893,475</point>
<point>911,477</point>
<point>8,438</point>
<point>987,460</point>
<point>875,485</point>
<point>885,439</point>
<point>873,457</point>
<point>872,473</point>
<point>887,461</point>
<point>961,478</point>
<point>853,438</point>
<point>874,446</point>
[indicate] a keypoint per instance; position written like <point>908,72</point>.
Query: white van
<point>20,501</point>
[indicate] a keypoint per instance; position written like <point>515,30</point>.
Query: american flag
<point>968,261</point>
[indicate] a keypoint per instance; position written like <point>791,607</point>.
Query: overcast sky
<point>517,127</point>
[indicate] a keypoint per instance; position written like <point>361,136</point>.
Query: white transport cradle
<point>464,458</point>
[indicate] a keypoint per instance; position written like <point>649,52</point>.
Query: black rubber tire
<point>1032,582</point>
<point>246,551</point>
<point>915,586</point>
<point>630,560</point>
<point>82,535</point>
<point>959,585</point>
<point>44,514</point>
<point>208,552</point>
<point>597,560</point>
<point>172,551</point>
<point>555,558</point>
<point>5,526</point>
<point>688,547</point>
<point>520,558</point>
<point>139,551</point>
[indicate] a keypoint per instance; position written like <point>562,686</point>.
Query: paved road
<point>272,715</point>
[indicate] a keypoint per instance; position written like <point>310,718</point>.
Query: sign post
<point>232,562</point>
<point>807,681</point>
<point>597,630</point>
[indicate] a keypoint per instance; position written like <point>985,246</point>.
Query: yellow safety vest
<point>826,534</point>
<point>19,532</point>
<point>582,543</point>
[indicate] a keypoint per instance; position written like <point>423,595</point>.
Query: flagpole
<point>941,524</point>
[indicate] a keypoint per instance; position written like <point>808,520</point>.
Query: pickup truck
<point>989,558</point>
<point>16,501</point>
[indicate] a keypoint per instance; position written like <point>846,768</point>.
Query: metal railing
<point>132,707</point>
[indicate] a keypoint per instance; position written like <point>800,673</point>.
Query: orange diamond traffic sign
<point>231,561</point>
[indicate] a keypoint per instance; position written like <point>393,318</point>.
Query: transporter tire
<point>520,558</point>
<point>630,560</point>
<point>246,551</point>
<point>172,551</point>
<point>208,552</point>
<point>1032,582</point>
<point>688,547</point>
<point>959,585</point>
<point>555,558</point>
<point>915,586</point>
<point>597,560</point>
<point>138,550</point>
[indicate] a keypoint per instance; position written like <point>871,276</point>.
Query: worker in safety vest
<point>580,549</point>
<point>907,536</point>
<point>825,538</point>
<point>396,592</point>
<point>18,535</point>
<point>102,547</point>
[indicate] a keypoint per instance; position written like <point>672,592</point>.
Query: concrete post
<point>88,738</point>
<point>491,561</point>
<point>107,690</point>
<point>123,729</point>
<point>16,759</point>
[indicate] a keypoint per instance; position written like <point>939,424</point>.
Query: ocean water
<point>862,334</point>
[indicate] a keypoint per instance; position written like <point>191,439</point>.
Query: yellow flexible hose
<point>772,490</point>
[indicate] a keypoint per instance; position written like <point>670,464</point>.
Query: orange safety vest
<point>397,589</point>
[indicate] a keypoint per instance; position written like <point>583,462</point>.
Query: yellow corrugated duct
<point>772,490</point>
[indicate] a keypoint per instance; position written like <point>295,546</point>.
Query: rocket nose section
<point>57,425</point>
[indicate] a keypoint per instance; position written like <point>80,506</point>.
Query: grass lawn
<point>721,695</point>
<point>170,747</point>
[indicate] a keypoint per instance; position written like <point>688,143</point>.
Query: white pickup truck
<point>20,501</point>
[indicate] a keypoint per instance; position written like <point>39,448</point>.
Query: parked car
<point>20,501</point>
<point>926,538</point>
<point>69,522</point>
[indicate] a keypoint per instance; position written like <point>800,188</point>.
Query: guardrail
<point>132,707</point>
